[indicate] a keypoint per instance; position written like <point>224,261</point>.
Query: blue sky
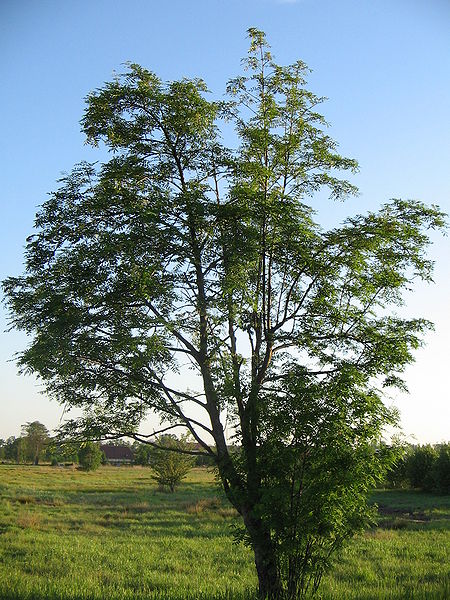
<point>384,65</point>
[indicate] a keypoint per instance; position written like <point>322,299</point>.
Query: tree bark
<point>269,582</point>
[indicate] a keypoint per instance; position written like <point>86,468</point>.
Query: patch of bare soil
<point>403,513</point>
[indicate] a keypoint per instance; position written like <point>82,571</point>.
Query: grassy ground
<point>111,535</point>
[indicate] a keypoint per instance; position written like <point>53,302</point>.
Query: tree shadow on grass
<point>413,520</point>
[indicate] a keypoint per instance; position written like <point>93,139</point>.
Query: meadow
<point>112,535</point>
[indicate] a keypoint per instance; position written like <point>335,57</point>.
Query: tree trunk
<point>268,577</point>
<point>269,582</point>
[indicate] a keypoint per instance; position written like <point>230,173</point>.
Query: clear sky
<point>384,65</point>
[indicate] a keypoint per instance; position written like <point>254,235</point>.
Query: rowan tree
<point>182,250</point>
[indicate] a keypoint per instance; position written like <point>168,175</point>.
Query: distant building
<point>118,455</point>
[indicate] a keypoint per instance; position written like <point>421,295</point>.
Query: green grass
<point>110,535</point>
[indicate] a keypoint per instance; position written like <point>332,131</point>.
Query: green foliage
<point>169,462</point>
<point>396,456</point>
<point>180,248</point>
<point>317,474</point>
<point>424,467</point>
<point>142,454</point>
<point>397,475</point>
<point>420,467</point>
<point>36,437</point>
<point>90,456</point>
<point>15,449</point>
<point>441,469</point>
<point>66,452</point>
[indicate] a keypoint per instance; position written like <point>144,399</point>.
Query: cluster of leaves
<point>319,461</point>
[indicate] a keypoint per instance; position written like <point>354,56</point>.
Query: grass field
<point>110,535</point>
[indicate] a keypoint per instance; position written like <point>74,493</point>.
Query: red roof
<point>117,452</point>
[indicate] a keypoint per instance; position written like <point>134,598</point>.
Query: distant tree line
<point>425,467</point>
<point>36,445</point>
<point>31,446</point>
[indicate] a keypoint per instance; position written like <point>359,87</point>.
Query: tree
<point>419,467</point>
<point>170,466</point>
<point>15,449</point>
<point>19,450</point>
<point>441,469</point>
<point>90,456</point>
<point>395,456</point>
<point>141,454</point>
<point>179,249</point>
<point>66,452</point>
<point>36,437</point>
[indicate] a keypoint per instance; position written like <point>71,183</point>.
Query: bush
<point>441,470</point>
<point>420,465</point>
<point>170,466</point>
<point>89,456</point>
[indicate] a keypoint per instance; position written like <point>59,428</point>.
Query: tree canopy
<point>36,437</point>
<point>182,251</point>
